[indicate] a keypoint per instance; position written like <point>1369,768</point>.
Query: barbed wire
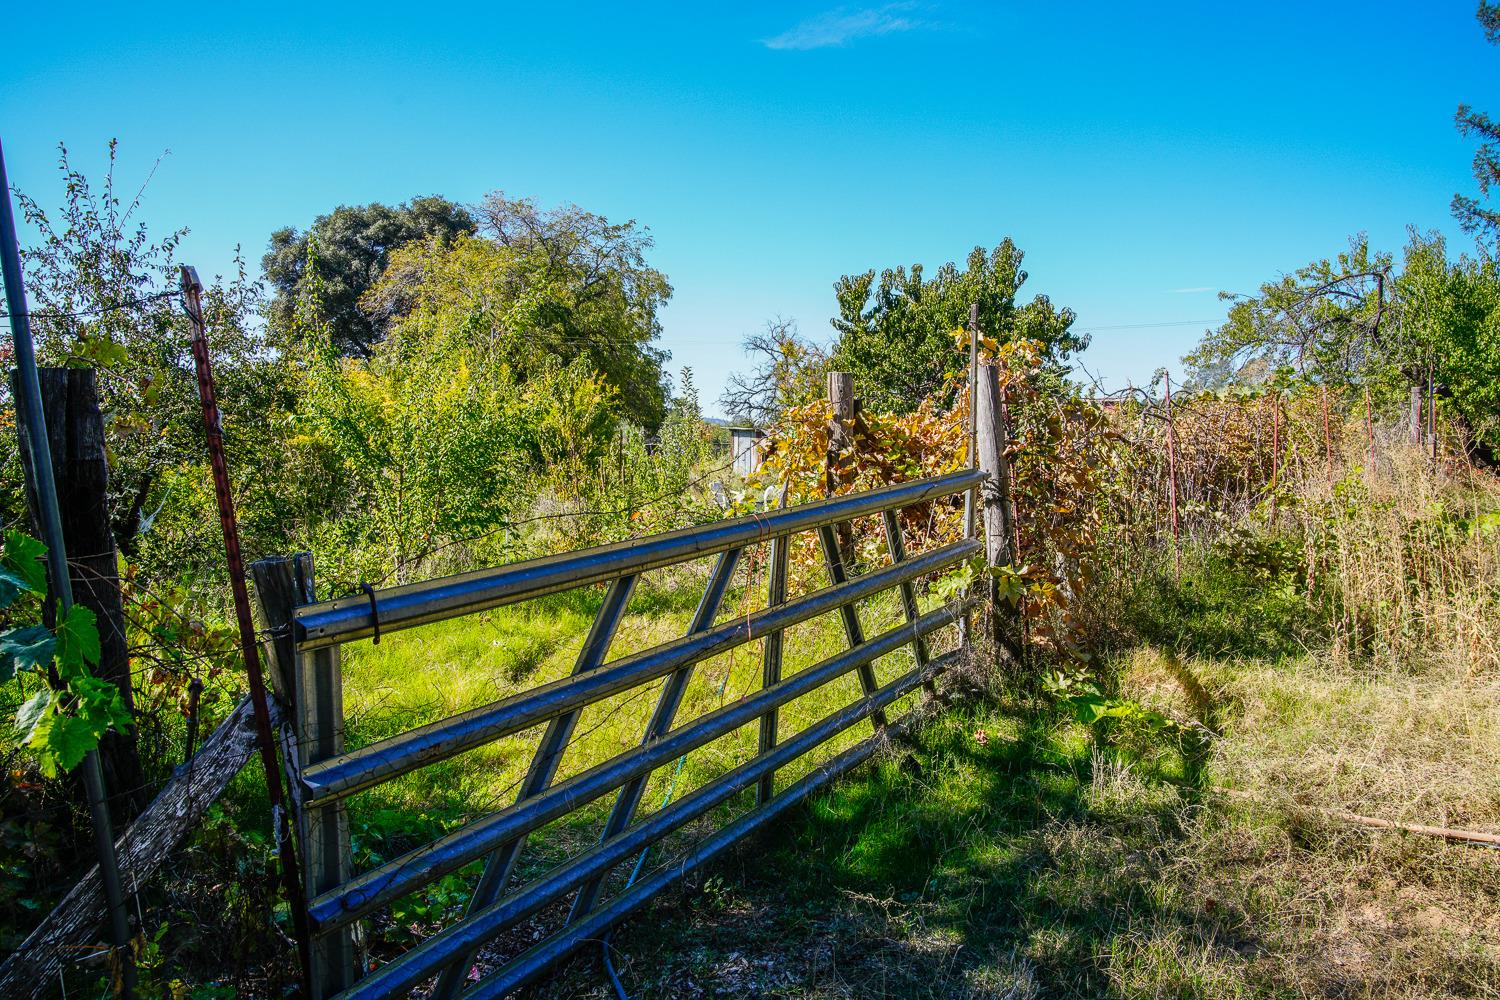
<point>97,311</point>
<point>558,515</point>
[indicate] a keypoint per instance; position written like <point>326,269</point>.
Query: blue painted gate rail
<point>306,637</point>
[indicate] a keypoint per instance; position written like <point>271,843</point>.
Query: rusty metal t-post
<point>281,822</point>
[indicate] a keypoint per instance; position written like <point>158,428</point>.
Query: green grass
<point>1032,864</point>
<point>1012,853</point>
<point>430,673</point>
<point>1025,856</point>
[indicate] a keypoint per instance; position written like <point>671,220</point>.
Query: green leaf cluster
<point>1361,318</point>
<point>64,720</point>
<point>896,333</point>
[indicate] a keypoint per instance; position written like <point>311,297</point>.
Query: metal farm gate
<point>305,655</point>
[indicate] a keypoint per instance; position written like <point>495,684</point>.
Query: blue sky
<point>1144,156</point>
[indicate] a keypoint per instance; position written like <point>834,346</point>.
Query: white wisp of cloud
<point>843,25</point>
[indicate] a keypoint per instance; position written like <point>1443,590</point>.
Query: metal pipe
<point>414,869</point>
<point>411,969</point>
<point>500,864</point>
<point>346,619</point>
<point>896,545</point>
<point>971,441</point>
<point>358,769</point>
<point>849,612</point>
<point>771,658</point>
<point>29,413</point>
<point>663,716</point>
<point>538,960</point>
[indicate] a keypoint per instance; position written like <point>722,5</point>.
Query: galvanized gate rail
<point>305,647</point>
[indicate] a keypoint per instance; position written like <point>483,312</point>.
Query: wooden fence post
<point>992,434</point>
<point>1432,414</point>
<point>313,685</point>
<point>971,498</point>
<point>81,470</point>
<point>841,398</point>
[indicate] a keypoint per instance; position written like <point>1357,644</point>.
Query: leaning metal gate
<point>305,642</point>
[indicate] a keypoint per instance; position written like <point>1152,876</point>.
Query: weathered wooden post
<point>992,434</point>
<point>841,399</point>
<point>971,497</point>
<point>771,652</point>
<point>1432,440</point>
<point>312,685</point>
<point>80,468</point>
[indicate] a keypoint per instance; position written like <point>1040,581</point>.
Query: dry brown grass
<point>1406,557</point>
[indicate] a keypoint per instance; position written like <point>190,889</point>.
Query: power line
<point>1148,326</point>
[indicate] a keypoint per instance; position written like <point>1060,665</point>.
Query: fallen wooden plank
<point>68,932</point>
<point>1375,822</point>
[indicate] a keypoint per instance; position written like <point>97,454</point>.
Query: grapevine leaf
<point>12,585</point>
<point>99,704</point>
<point>78,638</point>
<point>23,555</point>
<point>66,741</point>
<point>26,648</point>
<point>31,712</point>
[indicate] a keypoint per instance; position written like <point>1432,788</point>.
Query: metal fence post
<point>660,723</point>
<point>838,573</point>
<point>543,769</point>
<point>897,548</point>
<point>771,662</point>
<point>314,686</point>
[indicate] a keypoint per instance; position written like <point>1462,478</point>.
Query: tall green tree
<point>1360,318</point>
<point>1481,222</point>
<point>446,429</point>
<point>1452,310</point>
<point>592,294</point>
<point>1331,321</point>
<point>353,246</point>
<point>103,290</point>
<point>896,334</point>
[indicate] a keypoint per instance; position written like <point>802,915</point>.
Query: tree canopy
<point>789,371</point>
<point>565,284</point>
<point>896,334</point>
<point>591,294</point>
<point>1483,223</point>
<point>1359,318</point>
<point>350,248</point>
<point>1330,320</point>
